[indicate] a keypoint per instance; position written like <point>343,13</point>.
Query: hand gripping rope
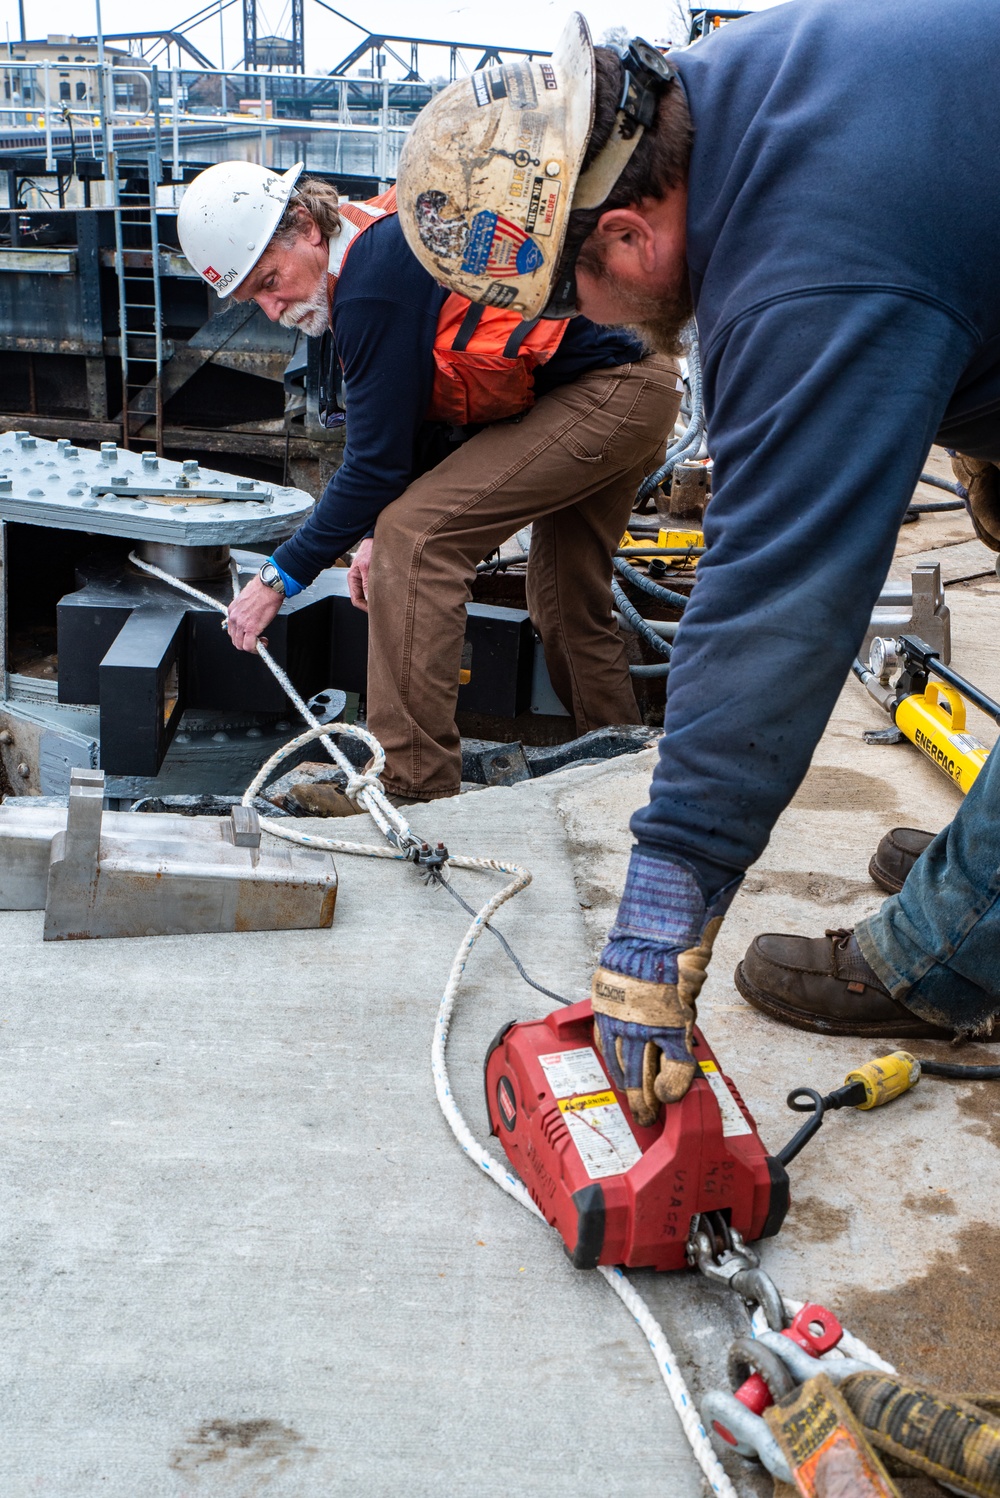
<point>404,844</point>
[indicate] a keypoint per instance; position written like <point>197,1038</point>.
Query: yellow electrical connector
<point>885,1079</point>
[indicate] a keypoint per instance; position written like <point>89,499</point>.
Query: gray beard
<point>311,317</point>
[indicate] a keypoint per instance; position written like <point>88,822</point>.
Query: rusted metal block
<point>121,874</point>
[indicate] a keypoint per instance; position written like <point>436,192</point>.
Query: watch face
<point>271,577</point>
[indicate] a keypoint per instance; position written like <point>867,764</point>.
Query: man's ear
<point>309,228</point>
<point>626,229</point>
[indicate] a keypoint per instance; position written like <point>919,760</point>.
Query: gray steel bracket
<point>120,874</point>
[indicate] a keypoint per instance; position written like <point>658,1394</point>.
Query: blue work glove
<point>651,974</point>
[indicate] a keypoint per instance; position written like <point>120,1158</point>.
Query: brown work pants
<point>570,467</point>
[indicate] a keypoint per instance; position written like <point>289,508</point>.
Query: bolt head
<point>23,770</point>
<point>6,737</point>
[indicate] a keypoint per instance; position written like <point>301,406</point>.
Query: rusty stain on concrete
<point>251,1441</point>
<point>939,1325</point>
<point>934,1202</point>
<point>819,1221</point>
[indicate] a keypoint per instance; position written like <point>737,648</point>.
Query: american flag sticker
<point>499,248</point>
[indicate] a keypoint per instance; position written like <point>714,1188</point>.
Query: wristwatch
<point>271,578</point>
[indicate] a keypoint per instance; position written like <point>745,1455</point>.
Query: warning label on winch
<point>733,1121</point>
<point>594,1117</point>
<point>573,1073</point>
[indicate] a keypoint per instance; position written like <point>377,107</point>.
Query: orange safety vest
<point>484,357</point>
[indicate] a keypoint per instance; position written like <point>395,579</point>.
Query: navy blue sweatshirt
<point>385,317</point>
<point>843,241</point>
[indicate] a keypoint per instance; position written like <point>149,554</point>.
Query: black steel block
<point>500,657</point>
<point>142,691</point>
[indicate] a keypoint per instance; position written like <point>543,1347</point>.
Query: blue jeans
<point>936,945</point>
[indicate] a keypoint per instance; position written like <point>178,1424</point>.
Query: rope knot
<point>359,781</point>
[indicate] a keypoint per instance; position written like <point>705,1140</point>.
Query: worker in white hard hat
<point>801,181</point>
<point>464,425</point>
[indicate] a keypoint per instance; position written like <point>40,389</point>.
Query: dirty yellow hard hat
<point>492,169</point>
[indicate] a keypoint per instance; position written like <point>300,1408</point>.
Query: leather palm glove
<point>651,973</point>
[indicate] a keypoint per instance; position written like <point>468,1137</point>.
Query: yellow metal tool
<point>931,714</point>
<point>672,539</point>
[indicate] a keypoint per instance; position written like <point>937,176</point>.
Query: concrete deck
<point>241,1254</point>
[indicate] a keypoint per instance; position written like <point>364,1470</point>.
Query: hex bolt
<point>150,461</point>
<point>181,482</point>
<point>27,443</point>
<point>72,453</point>
<point>23,770</point>
<point>6,737</point>
<point>6,485</point>
<point>109,452</point>
<point>245,484</point>
<point>20,436</point>
<point>62,444</point>
<point>190,465</point>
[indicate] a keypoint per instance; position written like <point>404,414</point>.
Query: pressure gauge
<point>883,658</point>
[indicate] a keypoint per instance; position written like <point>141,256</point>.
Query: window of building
<point>64,92</point>
<point>81,91</point>
<point>62,59</point>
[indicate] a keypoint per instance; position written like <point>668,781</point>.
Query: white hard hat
<point>227,217</point>
<point>492,169</point>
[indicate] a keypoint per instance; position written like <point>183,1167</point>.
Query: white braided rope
<point>366,791</point>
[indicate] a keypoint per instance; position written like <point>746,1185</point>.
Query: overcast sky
<point>523,23</point>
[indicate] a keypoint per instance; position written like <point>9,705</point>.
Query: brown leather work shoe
<point>825,984</point>
<point>895,856</point>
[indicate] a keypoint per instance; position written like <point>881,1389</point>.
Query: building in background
<point>71,78</point>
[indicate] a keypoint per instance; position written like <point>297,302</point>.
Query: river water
<point>355,153</point>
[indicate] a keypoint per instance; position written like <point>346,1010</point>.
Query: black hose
<point>966,1073</point>
<point>662,668</point>
<point>641,552</point>
<point>638,624</point>
<point>935,506</point>
<point>645,584</point>
<point>502,563</point>
<point>952,488</point>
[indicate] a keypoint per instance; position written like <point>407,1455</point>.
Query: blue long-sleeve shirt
<point>384,320</point>
<point>843,243</point>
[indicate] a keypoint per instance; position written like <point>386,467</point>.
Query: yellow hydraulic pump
<point>931,714</point>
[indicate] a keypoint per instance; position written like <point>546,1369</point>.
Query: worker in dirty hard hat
<point>802,181</point>
<point>463,425</point>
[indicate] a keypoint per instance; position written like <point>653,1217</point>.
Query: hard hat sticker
<point>542,206</point>
<point>211,274</point>
<point>445,237</point>
<point>500,248</point>
<point>499,295</point>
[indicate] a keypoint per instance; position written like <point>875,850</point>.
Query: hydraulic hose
<point>690,439</point>
<point>646,585</point>
<point>947,484</point>
<point>638,624</point>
